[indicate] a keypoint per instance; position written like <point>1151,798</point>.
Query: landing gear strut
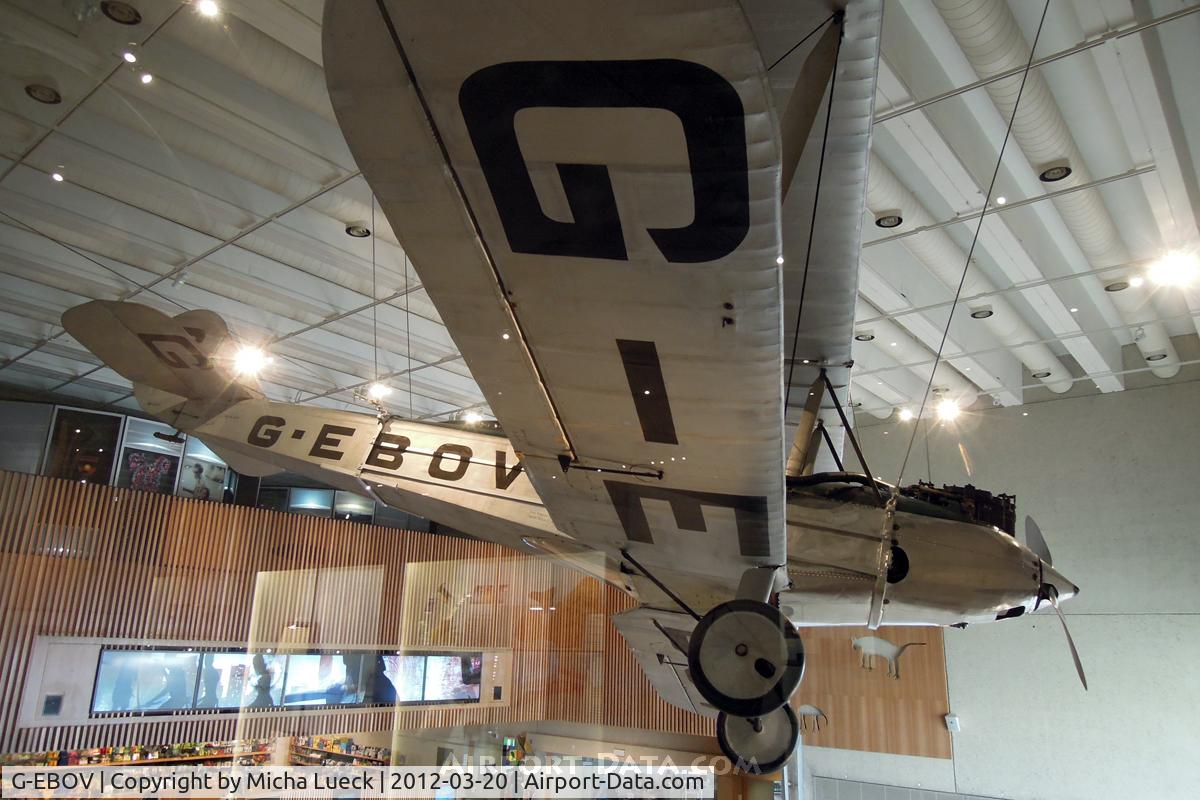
<point>746,658</point>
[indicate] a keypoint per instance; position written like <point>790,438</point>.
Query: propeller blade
<point>1036,542</point>
<point>1070,642</point>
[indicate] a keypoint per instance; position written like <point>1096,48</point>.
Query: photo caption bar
<point>551,782</point>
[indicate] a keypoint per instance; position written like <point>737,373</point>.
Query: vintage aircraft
<point>615,210</point>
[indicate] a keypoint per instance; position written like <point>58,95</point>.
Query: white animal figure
<point>807,712</point>
<point>869,647</point>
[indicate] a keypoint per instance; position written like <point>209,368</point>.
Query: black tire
<point>772,690</point>
<point>736,737</point>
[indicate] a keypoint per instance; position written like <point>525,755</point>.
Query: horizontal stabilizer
<point>189,355</point>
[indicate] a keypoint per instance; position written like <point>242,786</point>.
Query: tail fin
<point>181,366</point>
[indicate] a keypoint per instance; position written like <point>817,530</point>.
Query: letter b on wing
<point>707,106</point>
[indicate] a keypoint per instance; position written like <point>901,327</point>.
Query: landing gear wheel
<point>746,658</point>
<point>759,745</point>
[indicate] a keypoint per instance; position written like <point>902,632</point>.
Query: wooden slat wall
<point>867,710</point>
<point>96,561</point>
<point>84,560</point>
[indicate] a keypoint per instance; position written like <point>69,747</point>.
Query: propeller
<point>1048,591</point>
<point>1036,542</point>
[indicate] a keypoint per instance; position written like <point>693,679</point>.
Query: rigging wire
<point>987,200</point>
<point>807,36</point>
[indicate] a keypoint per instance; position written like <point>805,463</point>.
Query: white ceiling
<point>225,184</point>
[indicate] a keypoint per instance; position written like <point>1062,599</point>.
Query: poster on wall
<point>147,471</point>
<point>201,480</point>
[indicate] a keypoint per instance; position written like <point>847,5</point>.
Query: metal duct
<point>899,345</point>
<point>264,60</point>
<point>945,259</point>
<point>992,41</point>
<point>186,137</point>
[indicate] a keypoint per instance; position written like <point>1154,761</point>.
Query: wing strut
<point>837,404</point>
<point>646,574</point>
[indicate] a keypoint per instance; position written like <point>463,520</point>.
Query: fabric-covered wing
<point>823,274</point>
<point>590,194</point>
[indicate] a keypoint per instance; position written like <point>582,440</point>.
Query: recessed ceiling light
<point>1156,357</point>
<point>906,415</point>
<point>1136,281</point>
<point>981,313</point>
<point>129,57</point>
<point>1074,310</point>
<point>1024,413</point>
<point>208,8</point>
<point>779,260</point>
<point>1175,268</point>
<point>889,220</point>
<point>473,418</point>
<point>1043,374</point>
<point>57,176</point>
<point>1001,200</point>
<point>1117,286</point>
<point>146,77</point>
<point>121,13</point>
<point>43,93</point>
<point>358,230</point>
<point>893,344</point>
<point>378,391</point>
<point>865,336</point>
<point>506,336</point>
<point>1055,172</point>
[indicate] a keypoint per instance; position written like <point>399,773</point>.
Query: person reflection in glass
<point>211,684</point>
<point>377,687</point>
<point>261,682</point>
<point>176,691</point>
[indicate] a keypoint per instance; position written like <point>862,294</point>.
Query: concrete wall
<point>1114,482</point>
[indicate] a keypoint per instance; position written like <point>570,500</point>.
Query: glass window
<point>23,429</point>
<point>317,679</point>
<point>149,463</point>
<point>83,445</point>
<point>314,502</point>
<point>446,678</point>
<point>139,680</point>
<point>203,475</point>
<point>356,508</point>
<point>240,680</point>
<point>274,498</point>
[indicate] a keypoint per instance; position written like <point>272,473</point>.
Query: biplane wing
<point>590,193</point>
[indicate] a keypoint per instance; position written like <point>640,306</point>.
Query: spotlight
<point>1175,268</point>
<point>472,418</point>
<point>981,313</point>
<point>57,177</point>
<point>948,410</point>
<point>43,93</point>
<point>358,229</point>
<point>147,77</point>
<point>906,415</point>
<point>249,361</point>
<point>129,57</point>
<point>1052,173</point>
<point>1001,200</point>
<point>1157,357</point>
<point>779,261</point>
<point>865,336</point>
<point>891,219</point>
<point>208,8</point>
<point>378,391</point>
<point>1136,281</point>
<point>505,335</point>
<point>1120,286</point>
<point>1043,374</point>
